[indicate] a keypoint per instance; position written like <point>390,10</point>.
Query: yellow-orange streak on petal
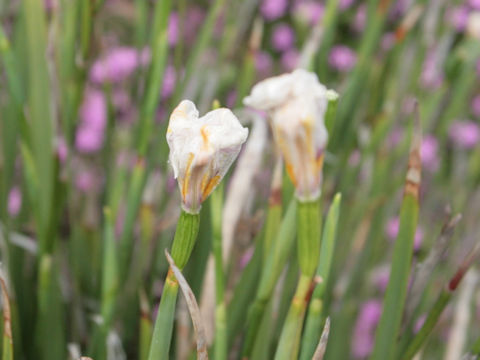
<point>307,125</point>
<point>204,133</point>
<point>291,173</point>
<point>319,162</point>
<point>188,173</point>
<point>210,186</point>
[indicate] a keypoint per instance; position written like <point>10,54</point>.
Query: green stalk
<point>7,345</point>
<point>393,305</point>
<point>289,343</point>
<point>313,326</point>
<point>272,269</point>
<point>216,206</point>
<point>183,242</point>
<point>309,230</point>
<point>145,327</point>
<point>329,25</point>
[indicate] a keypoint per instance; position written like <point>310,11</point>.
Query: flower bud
<point>202,150</point>
<point>297,104</point>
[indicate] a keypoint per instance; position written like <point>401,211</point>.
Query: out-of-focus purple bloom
<point>364,331</point>
<point>381,276</point>
<point>86,180</point>
<point>93,115</point>
<point>246,257</point>
<point>360,19</point>
<point>14,201</point>
<point>345,4</point>
<point>231,99</point>
<point>173,29</point>
<point>392,228</point>
<point>171,184</point>
<point>273,9</point>
<point>388,40</point>
<point>263,62</point>
<point>290,59</point>
<point>476,106</point>
<point>283,37</point>
<point>342,58</point>
<point>431,77</point>
<point>169,81</point>
<point>394,137</point>
<point>118,64</point>
<point>354,158</point>
<point>309,11</point>
<point>465,134</point>
<point>419,323</point>
<point>474,4</point>
<point>398,9</point>
<point>458,17</point>
<point>62,149</point>
<point>49,5</point>
<point>428,152</point>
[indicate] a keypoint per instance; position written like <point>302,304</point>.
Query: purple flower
<point>428,152</point>
<point>360,18</point>
<point>364,331</point>
<point>290,59</point>
<point>93,116</point>
<point>419,323</point>
<point>345,4</point>
<point>465,134</point>
<point>173,29</point>
<point>246,257</point>
<point>342,58</point>
<point>283,37</point>
<point>263,63</point>
<point>392,228</point>
<point>62,149</point>
<point>381,276</point>
<point>14,201</point>
<point>474,4</point>
<point>476,106</point>
<point>388,40</point>
<point>118,64</point>
<point>273,9</point>
<point>309,11</point>
<point>431,77</point>
<point>85,181</point>
<point>458,17</point>
<point>169,80</point>
<point>231,99</point>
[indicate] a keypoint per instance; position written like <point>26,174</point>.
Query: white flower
<point>202,149</point>
<point>297,103</point>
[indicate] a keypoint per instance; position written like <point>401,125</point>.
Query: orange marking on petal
<point>204,133</point>
<point>291,173</point>
<point>188,173</point>
<point>210,186</point>
<point>319,162</point>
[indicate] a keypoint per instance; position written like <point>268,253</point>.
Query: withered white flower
<point>201,150</point>
<point>297,103</point>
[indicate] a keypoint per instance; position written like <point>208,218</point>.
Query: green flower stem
<point>289,343</point>
<point>313,327</point>
<point>309,230</point>
<point>428,326</point>
<point>216,206</point>
<point>183,242</point>
<point>389,326</point>
<point>329,25</point>
<point>272,269</point>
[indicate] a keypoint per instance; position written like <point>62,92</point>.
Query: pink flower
<point>345,4</point>
<point>14,201</point>
<point>392,231</point>
<point>428,152</point>
<point>458,17</point>
<point>231,99</point>
<point>381,276</point>
<point>419,323</point>
<point>465,134</point>
<point>431,76</point>
<point>365,326</point>
<point>85,181</point>
<point>283,37</point>
<point>93,116</point>
<point>360,18</point>
<point>290,59</point>
<point>476,106</point>
<point>263,62</point>
<point>474,4</point>
<point>169,81</point>
<point>118,64</point>
<point>173,29</point>
<point>273,9</point>
<point>342,58</point>
<point>388,40</point>
<point>309,11</point>
<point>62,149</point>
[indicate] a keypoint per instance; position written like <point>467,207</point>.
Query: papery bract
<point>297,103</point>
<point>202,150</point>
